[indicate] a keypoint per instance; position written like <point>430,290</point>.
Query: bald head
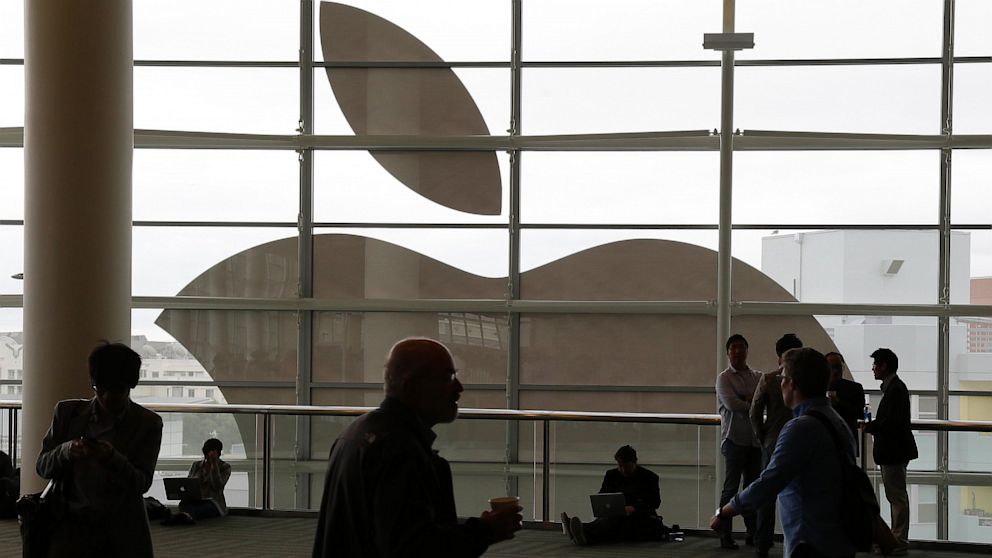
<point>421,372</point>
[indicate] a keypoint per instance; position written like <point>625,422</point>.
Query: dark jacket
<point>639,489</point>
<point>136,439</point>
<point>850,404</point>
<point>894,441</point>
<point>388,494</point>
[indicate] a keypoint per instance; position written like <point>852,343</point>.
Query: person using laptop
<point>638,520</point>
<point>213,474</point>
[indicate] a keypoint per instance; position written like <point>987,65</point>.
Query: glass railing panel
<point>969,513</point>
<point>970,451</point>
<point>183,435</point>
<point>683,456</point>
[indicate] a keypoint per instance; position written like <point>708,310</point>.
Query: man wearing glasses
<point>805,468</point>
<point>388,493</point>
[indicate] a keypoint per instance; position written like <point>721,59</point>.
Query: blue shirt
<point>805,472</point>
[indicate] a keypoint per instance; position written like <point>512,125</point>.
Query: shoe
<point>727,542</point>
<point>566,527</point>
<point>578,534</point>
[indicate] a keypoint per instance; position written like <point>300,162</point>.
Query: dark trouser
<point>199,509</point>
<point>635,527</point>
<point>806,551</point>
<point>82,537</point>
<point>766,514</point>
<point>743,462</point>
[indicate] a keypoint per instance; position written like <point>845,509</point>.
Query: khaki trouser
<point>894,481</point>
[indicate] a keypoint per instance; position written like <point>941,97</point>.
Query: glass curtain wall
<point>536,183</point>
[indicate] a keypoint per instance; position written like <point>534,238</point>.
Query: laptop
<point>182,488</point>
<point>610,504</point>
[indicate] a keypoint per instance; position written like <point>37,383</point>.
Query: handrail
<point>505,414</point>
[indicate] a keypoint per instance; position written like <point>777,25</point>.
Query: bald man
<point>388,493</point>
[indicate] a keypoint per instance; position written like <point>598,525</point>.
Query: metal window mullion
<point>944,275</point>
<point>305,317</point>
<point>513,272</point>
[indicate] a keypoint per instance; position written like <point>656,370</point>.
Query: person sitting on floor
<point>213,473</point>
<point>643,496</point>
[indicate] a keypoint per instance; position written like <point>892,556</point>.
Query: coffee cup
<point>504,502</point>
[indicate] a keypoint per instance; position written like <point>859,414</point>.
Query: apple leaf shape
<point>409,101</point>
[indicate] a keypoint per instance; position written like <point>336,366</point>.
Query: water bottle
<point>676,534</point>
<point>867,412</point>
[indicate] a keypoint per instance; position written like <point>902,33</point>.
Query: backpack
<point>859,506</point>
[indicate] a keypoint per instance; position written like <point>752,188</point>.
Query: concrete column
<point>78,141</point>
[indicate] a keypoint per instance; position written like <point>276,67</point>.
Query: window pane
<point>410,263</point>
<point>971,350</point>
<point>847,266</point>
<point>12,105</point>
<point>351,347</point>
<point>969,514</point>
<point>359,187</point>
<point>971,186</point>
<point>812,29</point>
<point>584,100</point>
<point>971,32</point>
<point>216,30</point>
<point>968,451</point>
<point>215,185</point>
<point>630,30</point>
<point>620,187</point>
<point>455,30</point>
<point>836,187</point>
<point>11,183</point>
<point>903,99</point>
<point>412,101</point>
<point>972,83</point>
<point>971,266</point>
<point>913,339</point>
<point>572,255</point>
<point>243,100</point>
<point>11,258</point>
<point>226,345</point>
<point>11,29</point>
<point>11,321</point>
<point>215,261</point>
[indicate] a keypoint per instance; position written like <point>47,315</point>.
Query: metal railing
<point>546,418</point>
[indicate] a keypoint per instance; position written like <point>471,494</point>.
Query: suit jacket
<point>136,438</point>
<point>768,399</point>
<point>891,428</point>
<point>388,494</point>
<point>850,404</point>
<point>639,489</point>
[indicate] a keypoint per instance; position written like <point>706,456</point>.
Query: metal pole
<point>266,461</point>
<point>513,286</point>
<point>726,198</point>
<point>944,279</point>
<point>304,363</point>
<point>546,474</point>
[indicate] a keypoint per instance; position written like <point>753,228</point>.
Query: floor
<point>244,537</point>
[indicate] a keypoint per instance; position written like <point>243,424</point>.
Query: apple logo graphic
<point>584,347</point>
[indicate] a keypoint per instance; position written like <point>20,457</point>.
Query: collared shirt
<point>733,389</point>
<point>805,472</point>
